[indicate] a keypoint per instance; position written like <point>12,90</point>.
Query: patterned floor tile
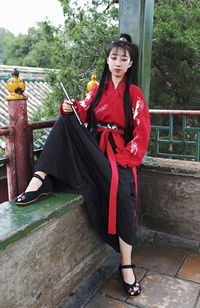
<point>162,259</point>
<point>106,302</point>
<point>191,268</point>
<point>161,291</point>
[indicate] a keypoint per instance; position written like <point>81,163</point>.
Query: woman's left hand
<point>67,105</point>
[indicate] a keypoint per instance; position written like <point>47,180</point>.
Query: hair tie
<point>123,39</point>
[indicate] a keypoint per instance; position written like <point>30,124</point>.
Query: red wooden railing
<point>19,146</point>
<point>19,143</point>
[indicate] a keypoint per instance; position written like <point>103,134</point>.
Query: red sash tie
<point>105,144</point>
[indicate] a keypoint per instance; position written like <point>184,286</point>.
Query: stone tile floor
<point>170,278</point>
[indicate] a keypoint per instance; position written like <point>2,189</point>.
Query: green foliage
<point>2,147</point>
<point>3,34</point>
<point>31,49</point>
<point>175,71</point>
<point>175,55</point>
<point>79,51</point>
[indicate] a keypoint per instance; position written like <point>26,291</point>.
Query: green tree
<point>3,34</point>
<point>80,50</point>
<point>31,49</point>
<point>175,65</point>
<point>175,55</point>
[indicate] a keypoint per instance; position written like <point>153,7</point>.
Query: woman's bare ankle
<point>41,173</point>
<point>35,183</point>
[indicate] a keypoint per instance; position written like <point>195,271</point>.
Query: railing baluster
<point>198,146</point>
<point>183,140</point>
<point>157,142</point>
<point>171,127</point>
<point>183,127</point>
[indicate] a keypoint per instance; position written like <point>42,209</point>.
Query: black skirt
<point>75,163</point>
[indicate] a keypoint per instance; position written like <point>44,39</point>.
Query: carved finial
<point>92,83</point>
<point>16,87</point>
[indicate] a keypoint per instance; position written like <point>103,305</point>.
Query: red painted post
<point>19,145</point>
<point>11,165</point>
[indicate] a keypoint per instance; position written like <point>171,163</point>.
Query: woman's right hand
<point>67,105</point>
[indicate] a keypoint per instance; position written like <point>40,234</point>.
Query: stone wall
<point>39,269</point>
<point>169,197</point>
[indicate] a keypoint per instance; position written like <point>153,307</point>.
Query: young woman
<point>100,161</point>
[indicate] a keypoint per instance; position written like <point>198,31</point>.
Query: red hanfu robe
<point>110,110</point>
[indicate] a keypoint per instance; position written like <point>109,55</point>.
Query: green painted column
<point>136,19</point>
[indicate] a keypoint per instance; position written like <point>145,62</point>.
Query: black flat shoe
<point>131,289</point>
<point>44,190</point>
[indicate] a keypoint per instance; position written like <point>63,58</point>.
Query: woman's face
<point>119,61</point>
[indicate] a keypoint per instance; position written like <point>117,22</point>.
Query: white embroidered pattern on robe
<point>84,105</point>
<point>138,121</point>
<point>134,147</point>
<point>139,107</point>
<point>102,108</point>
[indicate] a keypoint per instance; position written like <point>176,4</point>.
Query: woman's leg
<point>127,273</point>
<point>35,183</point>
<point>126,251</point>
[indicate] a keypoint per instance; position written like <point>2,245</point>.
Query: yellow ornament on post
<point>92,83</point>
<point>16,87</point>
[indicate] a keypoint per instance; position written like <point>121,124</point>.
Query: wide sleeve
<point>133,154</point>
<point>82,106</point>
